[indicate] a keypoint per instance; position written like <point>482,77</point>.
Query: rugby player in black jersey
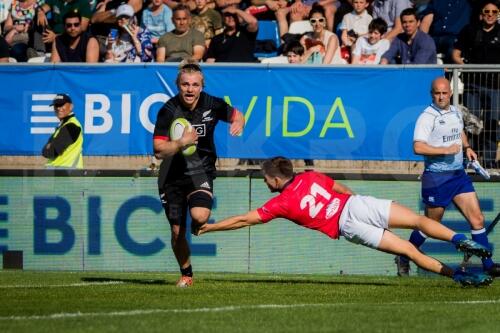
<point>186,182</point>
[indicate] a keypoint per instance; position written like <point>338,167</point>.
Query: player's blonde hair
<point>189,66</point>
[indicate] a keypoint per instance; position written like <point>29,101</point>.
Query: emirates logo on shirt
<point>332,208</point>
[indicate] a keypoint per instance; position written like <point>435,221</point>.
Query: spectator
<point>207,20</point>
<point>294,52</point>
<point>4,50</point>
<point>157,19</point>
<point>17,37</point>
<point>412,46</point>
<point>74,45</point>
<point>133,44</point>
<point>18,26</point>
<point>444,20</point>
<point>355,23</point>
<point>58,9</point>
<point>390,11</point>
<point>235,44</point>
<point>480,44</point>
<point>64,147</point>
<point>183,42</point>
<point>322,46</point>
<point>296,10</point>
<point>104,19</point>
<point>369,49</point>
<point>299,20</point>
<point>4,12</point>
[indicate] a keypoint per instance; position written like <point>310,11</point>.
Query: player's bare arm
<point>341,188</point>
<point>422,148</point>
<point>237,123</point>
<point>232,223</point>
<point>164,148</point>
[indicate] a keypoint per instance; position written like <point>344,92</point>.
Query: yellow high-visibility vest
<point>71,157</point>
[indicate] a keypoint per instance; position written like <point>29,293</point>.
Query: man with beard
<point>74,45</point>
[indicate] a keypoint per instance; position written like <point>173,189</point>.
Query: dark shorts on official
<point>174,196</point>
<point>439,188</point>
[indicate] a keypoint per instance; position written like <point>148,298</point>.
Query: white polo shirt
<point>358,23</point>
<point>440,128</point>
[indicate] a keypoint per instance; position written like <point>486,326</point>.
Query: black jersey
<point>208,111</point>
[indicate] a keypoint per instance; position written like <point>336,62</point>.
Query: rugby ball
<point>176,130</point>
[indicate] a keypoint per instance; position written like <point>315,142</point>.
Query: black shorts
<point>174,196</point>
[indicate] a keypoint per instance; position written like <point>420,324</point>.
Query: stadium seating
<point>268,40</point>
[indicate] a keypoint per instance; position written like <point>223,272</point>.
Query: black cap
<point>61,99</point>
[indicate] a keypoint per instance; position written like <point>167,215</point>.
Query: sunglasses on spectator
<point>69,25</point>
<point>320,20</point>
<point>123,17</point>
<point>490,11</point>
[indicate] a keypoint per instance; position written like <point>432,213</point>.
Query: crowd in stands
<point>311,32</point>
<point>330,31</point>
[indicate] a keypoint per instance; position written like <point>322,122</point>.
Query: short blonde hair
<point>189,66</point>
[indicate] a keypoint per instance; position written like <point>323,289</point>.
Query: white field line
<point>79,284</point>
<point>224,309</point>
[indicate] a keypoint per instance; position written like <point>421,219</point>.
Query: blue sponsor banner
<point>300,112</point>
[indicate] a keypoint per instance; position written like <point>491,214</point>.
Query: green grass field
<point>149,302</point>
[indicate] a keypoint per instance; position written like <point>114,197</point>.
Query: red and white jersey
<point>310,201</point>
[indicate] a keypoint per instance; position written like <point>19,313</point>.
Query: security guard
<point>64,148</point>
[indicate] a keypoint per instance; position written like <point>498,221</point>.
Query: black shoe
<point>473,248</point>
<point>494,271</point>
<point>403,266</point>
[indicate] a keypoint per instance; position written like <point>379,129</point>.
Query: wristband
<point>467,147</point>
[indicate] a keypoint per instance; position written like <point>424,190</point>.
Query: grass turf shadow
<point>298,281</point>
<point>133,281</point>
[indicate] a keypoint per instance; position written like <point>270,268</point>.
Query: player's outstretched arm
<point>232,223</point>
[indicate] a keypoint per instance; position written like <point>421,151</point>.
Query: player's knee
<point>200,215</point>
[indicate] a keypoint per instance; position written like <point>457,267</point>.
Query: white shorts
<point>364,219</point>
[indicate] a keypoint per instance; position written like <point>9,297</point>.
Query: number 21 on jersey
<point>310,199</point>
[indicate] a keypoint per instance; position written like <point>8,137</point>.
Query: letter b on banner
<point>42,224</point>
